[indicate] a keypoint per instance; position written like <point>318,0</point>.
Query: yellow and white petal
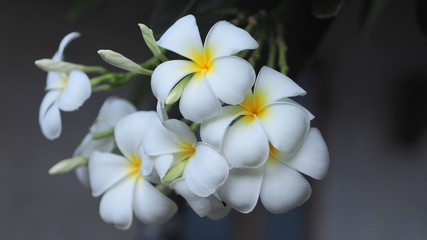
<point>245,144</point>
<point>167,75</point>
<point>312,158</point>
<point>130,130</point>
<point>64,42</point>
<point>230,78</point>
<point>181,130</point>
<point>286,126</point>
<point>274,85</point>
<point>76,92</point>
<point>113,110</point>
<point>49,116</point>
<point>116,204</point>
<point>159,140</point>
<point>198,103</point>
<point>150,205</point>
<point>283,188</point>
<point>242,188</point>
<point>106,170</point>
<point>55,80</point>
<point>205,171</point>
<point>209,206</point>
<point>225,39</point>
<point>213,131</point>
<point>183,37</point>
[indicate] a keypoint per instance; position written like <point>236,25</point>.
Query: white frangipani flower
<point>67,91</point>
<point>265,116</point>
<point>195,169</point>
<point>122,179</point>
<point>111,112</point>
<point>217,76</point>
<point>278,182</point>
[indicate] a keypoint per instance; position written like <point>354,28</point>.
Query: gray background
<point>357,85</point>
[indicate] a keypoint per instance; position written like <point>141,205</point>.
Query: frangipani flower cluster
<point>255,142</point>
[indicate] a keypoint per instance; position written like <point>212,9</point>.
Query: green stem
<point>272,51</point>
<point>283,65</point>
<point>103,134</point>
<point>97,80</point>
<point>164,189</point>
<point>95,69</point>
<point>194,126</point>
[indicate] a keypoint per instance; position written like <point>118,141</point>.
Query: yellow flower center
<point>134,165</point>
<point>254,106</point>
<point>186,150</point>
<point>202,61</point>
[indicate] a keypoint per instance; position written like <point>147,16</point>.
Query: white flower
<point>195,169</point>
<point>111,112</point>
<point>217,76</point>
<point>278,182</point>
<point>66,92</point>
<point>265,116</point>
<point>122,178</point>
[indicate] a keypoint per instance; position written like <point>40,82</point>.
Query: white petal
<point>292,102</point>
<point>167,75</point>
<point>286,126</point>
<point>209,206</point>
<point>114,109</point>
<point>205,171</point>
<point>245,144</point>
<point>159,140</point>
<point>49,116</point>
<point>313,157</point>
<point>82,174</point>
<point>161,111</point>
<point>183,37</point>
<point>182,130</point>
<point>230,78</point>
<point>163,163</point>
<point>198,103</point>
<point>147,166</point>
<point>213,131</point>
<point>88,146</point>
<point>130,130</point>
<point>283,188</point>
<point>274,85</point>
<point>76,92</point>
<point>64,42</point>
<point>105,170</point>
<point>242,188</point>
<point>116,204</point>
<point>151,206</point>
<point>225,39</point>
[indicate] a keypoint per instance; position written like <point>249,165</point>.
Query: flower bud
<point>57,66</point>
<point>68,165</point>
<point>120,61</point>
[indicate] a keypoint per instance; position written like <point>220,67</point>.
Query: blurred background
<point>365,72</point>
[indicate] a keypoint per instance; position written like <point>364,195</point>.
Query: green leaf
<point>326,8</point>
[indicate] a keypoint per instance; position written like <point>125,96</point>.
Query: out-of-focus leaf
<point>422,15</point>
<point>80,7</point>
<point>326,8</point>
<point>369,13</point>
